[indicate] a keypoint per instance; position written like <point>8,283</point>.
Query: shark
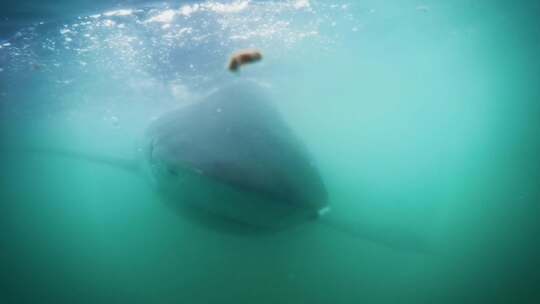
<point>232,156</point>
<point>231,162</point>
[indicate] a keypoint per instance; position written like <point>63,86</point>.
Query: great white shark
<point>230,160</point>
<point>233,156</point>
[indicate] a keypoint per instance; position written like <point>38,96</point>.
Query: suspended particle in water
<point>36,66</point>
<point>115,121</point>
<point>422,8</point>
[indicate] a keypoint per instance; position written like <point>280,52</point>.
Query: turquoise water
<point>422,118</point>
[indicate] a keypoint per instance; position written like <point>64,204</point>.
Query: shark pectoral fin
<point>389,237</point>
<point>131,165</point>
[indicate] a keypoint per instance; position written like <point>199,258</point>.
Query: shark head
<point>233,156</point>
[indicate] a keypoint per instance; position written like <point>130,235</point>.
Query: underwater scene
<point>294,151</point>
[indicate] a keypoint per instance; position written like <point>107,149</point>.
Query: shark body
<point>232,156</point>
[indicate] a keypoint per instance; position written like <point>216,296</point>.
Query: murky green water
<point>422,117</point>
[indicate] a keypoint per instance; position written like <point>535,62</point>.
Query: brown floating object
<point>243,57</point>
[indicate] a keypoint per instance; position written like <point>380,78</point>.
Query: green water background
<point>422,117</point>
